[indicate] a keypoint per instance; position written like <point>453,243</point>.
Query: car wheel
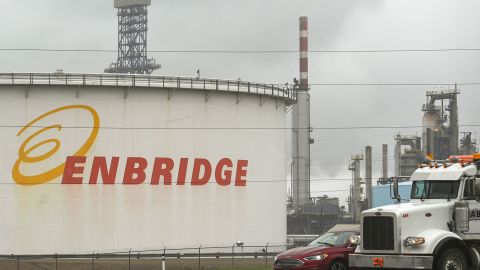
<point>452,259</point>
<point>338,265</point>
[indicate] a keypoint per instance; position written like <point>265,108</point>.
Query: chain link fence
<point>203,257</point>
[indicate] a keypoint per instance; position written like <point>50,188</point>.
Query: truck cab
<point>438,229</point>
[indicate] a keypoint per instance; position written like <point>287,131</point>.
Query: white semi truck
<point>438,229</point>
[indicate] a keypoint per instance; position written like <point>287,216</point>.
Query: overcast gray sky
<point>273,25</point>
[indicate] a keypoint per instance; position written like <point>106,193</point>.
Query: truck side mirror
<point>396,194</point>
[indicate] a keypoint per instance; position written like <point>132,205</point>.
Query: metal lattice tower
<point>132,38</point>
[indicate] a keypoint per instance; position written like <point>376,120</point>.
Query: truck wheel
<point>452,259</point>
<point>338,265</point>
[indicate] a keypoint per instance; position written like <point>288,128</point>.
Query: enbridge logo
<point>24,152</point>
<point>137,170</point>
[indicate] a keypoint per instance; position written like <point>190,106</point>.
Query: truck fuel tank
<point>461,216</point>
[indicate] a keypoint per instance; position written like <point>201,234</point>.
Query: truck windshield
<point>435,189</point>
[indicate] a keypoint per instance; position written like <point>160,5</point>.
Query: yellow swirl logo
<point>25,151</point>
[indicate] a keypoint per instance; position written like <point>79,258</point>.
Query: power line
<point>395,84</point>
<point>235,128</point>
<point>322,51</point>
<point>389,84</point>
<point>8,78</point>
<point>321,164</point>
<point>327,191</point>
<point>56,50</point>
<point>251,51</point>
<point>188,183</point>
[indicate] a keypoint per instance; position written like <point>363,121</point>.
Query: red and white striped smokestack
<point>303,53</point>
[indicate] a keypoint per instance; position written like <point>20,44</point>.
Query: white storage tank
<point>113,162</point>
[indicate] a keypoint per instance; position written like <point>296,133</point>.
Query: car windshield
<point>332,239</point>
<point>434,189</point>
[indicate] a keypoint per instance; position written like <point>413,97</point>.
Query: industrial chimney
<point>301,127</point>
<point>385,161</point>
<point>368,175</point>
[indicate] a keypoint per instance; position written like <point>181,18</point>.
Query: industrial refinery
<point>439,140</point>
<point>157,141</point>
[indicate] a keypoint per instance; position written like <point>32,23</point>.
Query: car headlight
<point>316,257</point>
<point>414,241</point>
<point>276,257</point>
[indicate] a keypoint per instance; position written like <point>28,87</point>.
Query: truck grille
<point>378,233</point>
<point>288,263</point>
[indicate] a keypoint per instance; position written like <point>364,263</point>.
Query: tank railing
<point>260,255</point>
<point>130,80</point>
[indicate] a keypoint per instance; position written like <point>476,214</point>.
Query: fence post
<point>266,254</point>
<point>56,261</point>
<point>93,260</point>
<point>18,263</point>
<point>233,255</point>
<point>129,259</point>
<point>199,250</point>
<point>163,258</point>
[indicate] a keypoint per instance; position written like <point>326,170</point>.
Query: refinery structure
<point>440,134</point>
<point>93,149</point>
<point>440,139</point>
